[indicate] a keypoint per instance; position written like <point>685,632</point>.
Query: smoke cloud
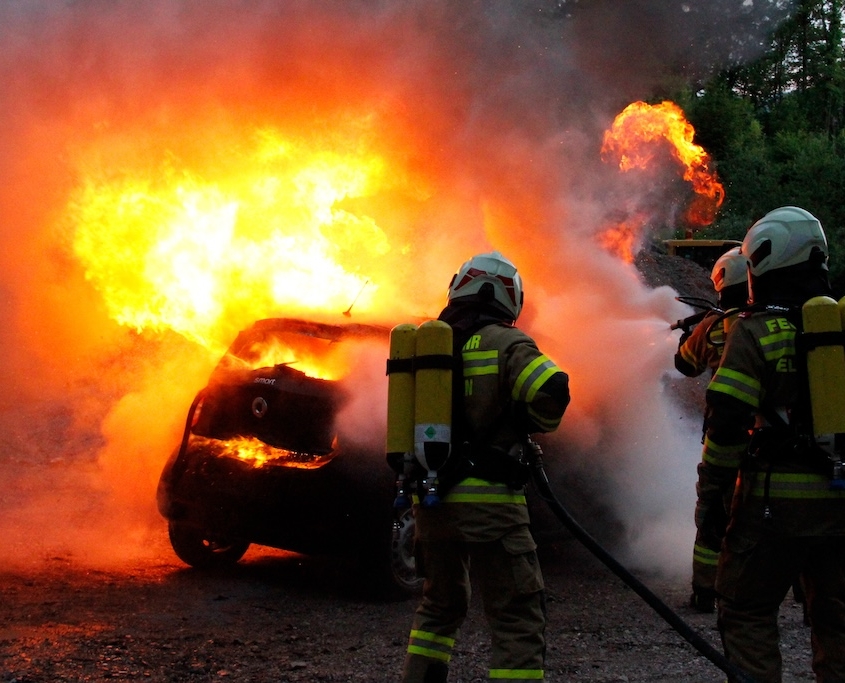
<point>500,106</point>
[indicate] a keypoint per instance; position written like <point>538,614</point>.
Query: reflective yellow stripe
<point>473,490</point>
<point>477,371</point>
<point>532,377</point>
<point>778,345</point>
<point>736,384</point>
<point>722,456</point>
<point>717,335</point>
<point>517,498</point>
<point>544,422</point>
<point>426,652</point>
<point>703,555</point>
<point>795,485</point>
<point>516,674</point>
<point>550,370</point>
<point>688,356</point>
<point>480,363</point>
<point>431,645</point>
<point>480,355</point>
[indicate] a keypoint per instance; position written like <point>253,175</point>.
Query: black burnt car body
<point>260,461</point>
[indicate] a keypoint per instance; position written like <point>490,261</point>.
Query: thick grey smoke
<point>500,104</point>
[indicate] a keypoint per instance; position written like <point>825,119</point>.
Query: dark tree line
<point>775,127</point>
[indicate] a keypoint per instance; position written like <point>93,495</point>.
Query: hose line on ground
<point>544,488</point>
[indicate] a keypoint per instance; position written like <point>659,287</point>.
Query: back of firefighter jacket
<point>510,389</point>
<point>759,386</point>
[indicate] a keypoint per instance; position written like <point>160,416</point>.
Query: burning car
<point>260,460</point>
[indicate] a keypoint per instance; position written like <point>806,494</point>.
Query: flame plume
<point>638,133</point>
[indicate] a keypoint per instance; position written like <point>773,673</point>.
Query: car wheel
<point>194,547</point>
<point>403,563</point>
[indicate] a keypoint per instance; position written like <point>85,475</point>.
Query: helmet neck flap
<point>733,296</point>
<point>790,286</point>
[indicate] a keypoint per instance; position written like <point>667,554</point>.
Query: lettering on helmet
<point>264,380</point>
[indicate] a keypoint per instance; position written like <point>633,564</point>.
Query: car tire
<point>399,578</point>
<point>388,569</point>
<point>403,563</point>
<point>194,547</point>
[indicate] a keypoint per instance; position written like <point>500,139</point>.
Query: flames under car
<point>260,461</point>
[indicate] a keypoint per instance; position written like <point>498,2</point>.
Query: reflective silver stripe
<point>722,456</point>
<point>480,363</point>
<point>778,345</point>
<point>430,645</point>
<point>736,384</point>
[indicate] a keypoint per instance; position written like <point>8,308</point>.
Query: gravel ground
<point>282,617</point>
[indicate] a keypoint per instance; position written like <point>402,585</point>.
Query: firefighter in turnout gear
<point>505,389</point>
<point>787,517</point>
<point>699,350</point>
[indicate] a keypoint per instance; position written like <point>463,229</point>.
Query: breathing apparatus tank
<point>433,403</point>
<point>400,409</point>
<point>823,322</point>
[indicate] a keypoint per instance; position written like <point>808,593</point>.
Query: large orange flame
<point>197,249</point>
<point>639,132</point>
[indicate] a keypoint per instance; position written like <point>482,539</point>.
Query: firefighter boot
<point>703,600</point>
<point>419,669</point>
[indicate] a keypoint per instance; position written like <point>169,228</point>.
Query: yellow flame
<point>258,454</point>
<point>315,357</point>
<point>176,248</point>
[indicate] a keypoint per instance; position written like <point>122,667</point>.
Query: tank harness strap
<point>767,508</point>
<point>399,365</point>
<point>807,341</point>
<point>434,361</point>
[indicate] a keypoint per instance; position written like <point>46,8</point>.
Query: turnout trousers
<point>507,574</point>
<point>753,579</point>
<point>714,490</point>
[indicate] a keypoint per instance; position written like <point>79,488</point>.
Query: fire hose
<point>687,323</point>
<point>541,480</point>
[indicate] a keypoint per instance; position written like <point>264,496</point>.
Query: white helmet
<point>492,268</point>
<point>787,236</point>
<point>731,268</point>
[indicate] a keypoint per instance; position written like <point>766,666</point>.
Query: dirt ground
<point>282,617</point>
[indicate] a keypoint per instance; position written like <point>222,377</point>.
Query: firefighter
<point>699,350</point>
<point>787,518</point>
<point>505,389</point>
